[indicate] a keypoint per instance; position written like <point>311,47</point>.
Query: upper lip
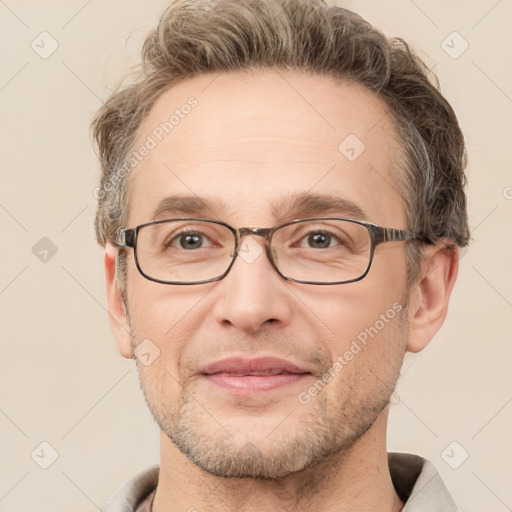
<point>243,366</point>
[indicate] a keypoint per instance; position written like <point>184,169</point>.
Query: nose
<point>253,296</point>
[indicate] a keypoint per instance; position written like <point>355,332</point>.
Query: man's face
<point>256,142</point>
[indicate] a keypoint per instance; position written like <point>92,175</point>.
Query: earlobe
<point>115,303</point>
<point>429,299</point>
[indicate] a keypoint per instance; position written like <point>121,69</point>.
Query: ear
<point>116,308</point>
<point>429,298</point>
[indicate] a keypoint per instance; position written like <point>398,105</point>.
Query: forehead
<point>249,141</point>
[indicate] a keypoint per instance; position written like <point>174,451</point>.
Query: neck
<point>357,477</point>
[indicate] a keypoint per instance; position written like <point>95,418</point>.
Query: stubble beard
<point>317,432</point>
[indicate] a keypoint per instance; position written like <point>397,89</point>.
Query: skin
<point>253,140</point>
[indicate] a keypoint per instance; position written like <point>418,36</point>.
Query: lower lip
<point>249,384</point>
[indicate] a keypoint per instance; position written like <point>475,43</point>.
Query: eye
<point>319,240</point>
<point>189,240</point>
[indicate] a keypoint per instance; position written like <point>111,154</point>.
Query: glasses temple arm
<point>125,237</point>
<point>399,235</point>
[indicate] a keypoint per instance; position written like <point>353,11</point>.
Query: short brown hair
<point>195,37</point>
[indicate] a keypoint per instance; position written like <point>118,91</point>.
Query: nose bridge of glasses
<point>265,233</point>
<point>243,232</point>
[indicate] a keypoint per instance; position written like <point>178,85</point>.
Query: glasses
<point>325,250</point>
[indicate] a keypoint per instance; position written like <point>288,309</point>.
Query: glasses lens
<point>323,251</point>
<point>184,250</point>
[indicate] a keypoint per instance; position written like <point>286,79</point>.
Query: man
<point>281,206</point>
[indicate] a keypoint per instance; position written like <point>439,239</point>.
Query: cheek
<point>389,271</point>
<point>157,309</point>
<point>166,319</point>
<point>369,348</point>
<point>348,309</point>
<point>364,319</point>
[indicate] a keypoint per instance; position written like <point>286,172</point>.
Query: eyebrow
<point>294,206</point>
<point>187,205</point>
<point>308,204</point>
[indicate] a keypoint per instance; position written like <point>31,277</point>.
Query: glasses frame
<point>127,237</point>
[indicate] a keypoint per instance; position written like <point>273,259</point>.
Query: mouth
<point>246,377</point>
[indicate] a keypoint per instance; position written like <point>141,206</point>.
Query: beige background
<point>62,380</point>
